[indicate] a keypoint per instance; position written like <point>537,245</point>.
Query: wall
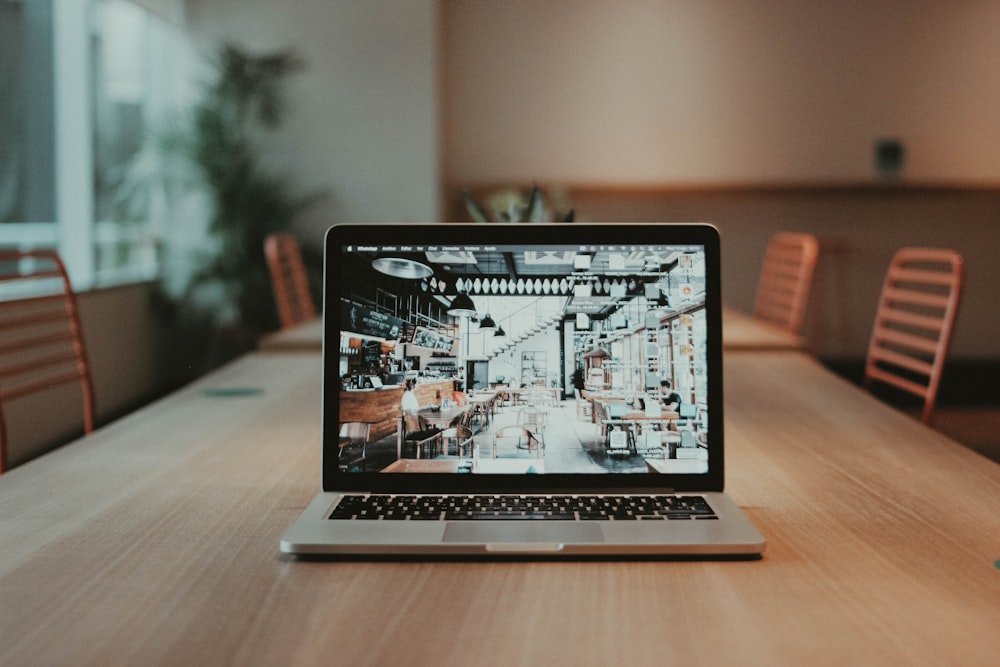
<point>508,363</point>
<point>362,121</point>
<point>721,91</point>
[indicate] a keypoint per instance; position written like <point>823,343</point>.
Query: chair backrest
<point>512,431</point>
<point>355,431</point>
<point>288,278</point>
<point>531,416</point>
<point>785,279</point>
<point>460,434</point>
<point>914,321</point>
<point>412,423</point>
<point>41,340</point>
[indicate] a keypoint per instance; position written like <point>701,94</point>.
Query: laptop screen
<point>523,352</point>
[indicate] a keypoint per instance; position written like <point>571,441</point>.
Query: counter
<point>381,407</point>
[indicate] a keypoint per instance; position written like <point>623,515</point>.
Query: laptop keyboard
<point>521,508</point>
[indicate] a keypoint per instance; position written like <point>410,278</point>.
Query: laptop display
<point>494,390</point>
<point>534,356</point>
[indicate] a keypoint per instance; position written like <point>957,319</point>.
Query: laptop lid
<point>549,308</point>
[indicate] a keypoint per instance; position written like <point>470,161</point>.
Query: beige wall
<point>760,91</point>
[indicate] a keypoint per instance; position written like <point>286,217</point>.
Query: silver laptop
<point>501,390</point>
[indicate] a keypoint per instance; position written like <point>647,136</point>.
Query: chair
<point>583,406</point>
<point>481,413</point>
<point>493,405</point>
<point>914,321</point>
<point>354,434</point>
<point>656,442</point>
<point>619,434</point>
<point>785,280</point>
<point>417,433</point>
<point>519,433</point>
<point>288,277</point>
<point>533,419</point>
<point>41,340</point>
<point>460,436</point>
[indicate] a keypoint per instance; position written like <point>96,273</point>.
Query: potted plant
<point>218,284</point>
<point>510,205</point>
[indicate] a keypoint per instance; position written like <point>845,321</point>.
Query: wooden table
<point>743,332</point>
<point>155,541</point>
<point>442,417</point>
<point>306,336</point>
<point>480,397</point>
<point>423,465</point>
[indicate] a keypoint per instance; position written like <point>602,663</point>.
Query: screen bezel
<point>346,234</point>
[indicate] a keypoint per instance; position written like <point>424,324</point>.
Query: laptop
<point>526,354</point>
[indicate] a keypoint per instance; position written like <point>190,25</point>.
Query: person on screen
<point>409,401</point>
<point>411,408</point>
<point>671,399</point>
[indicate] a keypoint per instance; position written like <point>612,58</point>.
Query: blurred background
<point>155,142</point>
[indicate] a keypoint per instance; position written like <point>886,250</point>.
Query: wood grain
<point>155,541</point>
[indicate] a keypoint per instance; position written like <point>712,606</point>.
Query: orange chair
<point>916,314</point>
<point>785,280</point>
<point>288,277</point>
<point>41,341</point>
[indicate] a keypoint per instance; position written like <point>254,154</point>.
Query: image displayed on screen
<point>523,359</point>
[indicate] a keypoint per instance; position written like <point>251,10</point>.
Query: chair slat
<point>911,341</point>
<point>899,382</point>
<point>47,274</point>
<point>915,297</point>
<point>37,365</point>
<point>917,320</point>
<point>37,342</point>
<point>922,276</point>
<point>40,385</point>
<point>15,323</point>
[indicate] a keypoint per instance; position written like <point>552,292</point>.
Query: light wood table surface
<point>423,465</point>
<point>743,332</point>
<point>740,331</point>
<point>154,541</point>
<point>306,336</point>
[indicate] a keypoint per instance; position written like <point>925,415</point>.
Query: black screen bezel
<point>346,234</point>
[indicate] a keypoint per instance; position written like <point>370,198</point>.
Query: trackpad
<point>520,532</point>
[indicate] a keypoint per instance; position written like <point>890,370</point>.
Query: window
<point>87,80</point>
<point>137,81</point>
<point>27,151</point>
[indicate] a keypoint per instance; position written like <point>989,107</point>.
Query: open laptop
<point>532,351</point>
